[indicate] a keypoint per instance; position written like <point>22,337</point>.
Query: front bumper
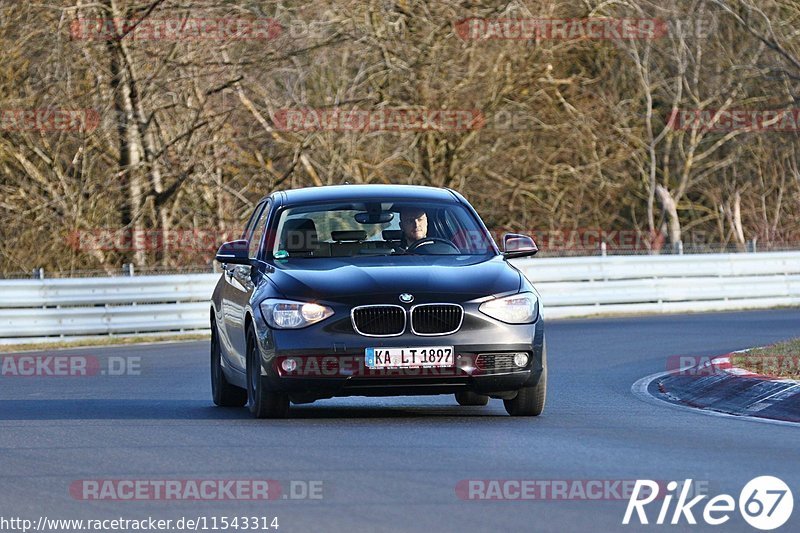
<point>331,361</point>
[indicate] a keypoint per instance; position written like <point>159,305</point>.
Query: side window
<point>258,232</point>
<point>248,229</point>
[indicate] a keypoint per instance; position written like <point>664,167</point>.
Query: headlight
<point>520,308</point>
<point>286,314</point>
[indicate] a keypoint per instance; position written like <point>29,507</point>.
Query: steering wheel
<point>425,241</point>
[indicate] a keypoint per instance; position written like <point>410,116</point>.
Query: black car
<point>374,290</point>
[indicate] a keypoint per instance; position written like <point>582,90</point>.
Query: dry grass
<point>778,360</point>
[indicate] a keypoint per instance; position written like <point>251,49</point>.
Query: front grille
<point>495,361</point>
<point>379,320</point>
<point>436,319</point>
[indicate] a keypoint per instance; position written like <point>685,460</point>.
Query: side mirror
<point>234,253</point>
<point>516,245</point>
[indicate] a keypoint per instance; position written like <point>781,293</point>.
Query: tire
<point>261,402</point>
<point>471,398</point>
<point>223,393</point>
<point>530,400</point>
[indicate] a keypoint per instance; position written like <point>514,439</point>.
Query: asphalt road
<point>393,464</point>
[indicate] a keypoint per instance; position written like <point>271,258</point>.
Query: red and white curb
<point>722,363</point>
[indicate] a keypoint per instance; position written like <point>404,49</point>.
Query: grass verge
<point>780,360</point>
<point>104,341</point>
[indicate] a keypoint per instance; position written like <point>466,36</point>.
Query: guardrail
<point>32,310</point>
<point>585,286</point>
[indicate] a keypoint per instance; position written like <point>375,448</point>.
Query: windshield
<point>355,229</point>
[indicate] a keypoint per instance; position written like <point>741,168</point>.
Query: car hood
<point>381,279</point>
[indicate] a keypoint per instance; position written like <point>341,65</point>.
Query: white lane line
<point>639,389</point>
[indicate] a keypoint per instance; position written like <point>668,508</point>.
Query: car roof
<point>363,192</point>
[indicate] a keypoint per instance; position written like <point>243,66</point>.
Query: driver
<point>414,224</point>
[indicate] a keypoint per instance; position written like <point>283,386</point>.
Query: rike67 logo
<point>765,503</point>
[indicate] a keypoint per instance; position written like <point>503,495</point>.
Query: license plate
<point>419,357</point>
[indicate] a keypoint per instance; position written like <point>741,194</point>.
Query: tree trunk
<point>669,207</point>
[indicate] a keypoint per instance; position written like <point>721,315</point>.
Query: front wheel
<point>530,400</point>
<point>261,402</point>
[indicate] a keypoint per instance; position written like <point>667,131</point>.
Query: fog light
<point>520,359</point>
<point>289,365</point>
